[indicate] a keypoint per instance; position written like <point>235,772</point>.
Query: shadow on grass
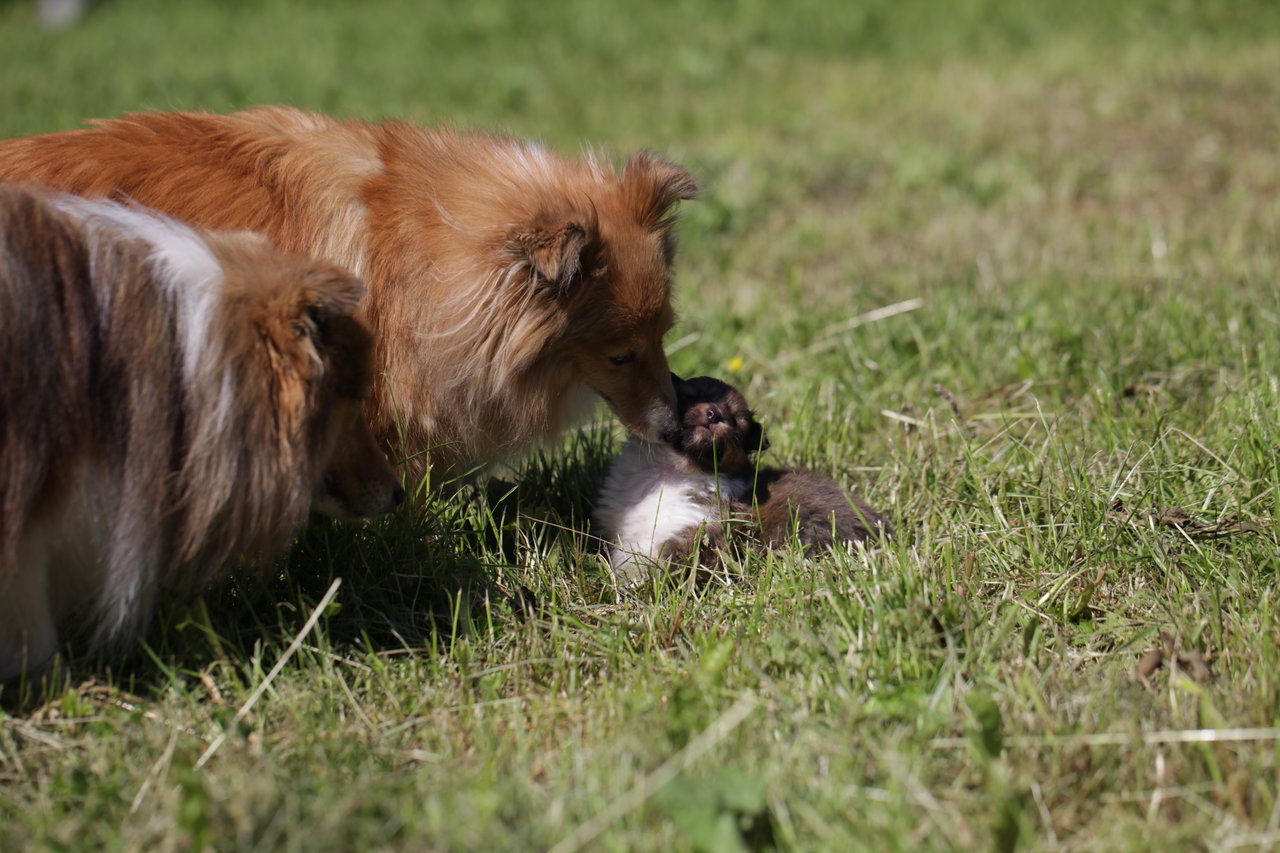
<point>473,559</point>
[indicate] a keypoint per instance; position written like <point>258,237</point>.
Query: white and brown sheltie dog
<point>504,281</point>
<point>661,501</point>
<point>170,403</point>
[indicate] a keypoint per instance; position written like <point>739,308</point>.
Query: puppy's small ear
<point>757,441</point>
<point>652,185</point>
<point>554,254</point>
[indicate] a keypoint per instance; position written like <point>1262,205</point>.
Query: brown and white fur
<point>659,501</point>
<point>170,403</point>
<point>504,280</point>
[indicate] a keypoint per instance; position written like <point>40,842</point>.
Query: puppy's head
<point>606,262</point>
<point>718,432</point>
<point>318,375</point>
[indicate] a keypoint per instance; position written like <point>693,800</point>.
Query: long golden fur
<point>503,280</point>
<point>170,403</point>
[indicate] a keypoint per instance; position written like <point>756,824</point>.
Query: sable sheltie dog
<point>503,280</point>
<point>170,403</point>
<point>660,501</point>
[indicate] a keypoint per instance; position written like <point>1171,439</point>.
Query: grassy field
<point>1069,409</point>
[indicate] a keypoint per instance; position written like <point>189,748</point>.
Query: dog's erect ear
<point>653,185</point>
<point>757,441</point>
<point>554,254</point>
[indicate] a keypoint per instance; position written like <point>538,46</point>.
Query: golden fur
<point>170,402</point>
<point>503,280</point>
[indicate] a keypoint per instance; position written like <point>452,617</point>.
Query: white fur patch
<point>650,497</point>
<point>185,267</point>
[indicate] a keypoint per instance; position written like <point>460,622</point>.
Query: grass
<point>1072,206</point>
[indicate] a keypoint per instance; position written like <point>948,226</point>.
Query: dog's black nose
<point>397,496</point>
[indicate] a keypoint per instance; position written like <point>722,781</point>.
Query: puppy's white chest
<point>650,499</point>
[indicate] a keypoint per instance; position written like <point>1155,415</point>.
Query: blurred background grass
<point>669,73</point>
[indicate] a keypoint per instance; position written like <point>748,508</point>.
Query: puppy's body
<point>655,502</point>
<point>504,281</point>
<point>659,501</point>
<point>795,504</point>
<point>169,403</point>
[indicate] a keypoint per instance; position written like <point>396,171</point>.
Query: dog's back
<point>61,386</point>
<point>63,399</point>
<point>169,403</point>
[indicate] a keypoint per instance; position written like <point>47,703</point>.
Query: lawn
<point>1007,269</point>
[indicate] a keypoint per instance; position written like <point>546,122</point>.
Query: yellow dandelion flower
<point>735,364</point>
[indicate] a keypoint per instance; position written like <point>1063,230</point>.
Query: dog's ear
<point>757,441</point>
<point>325,318</point>
<point>652,185</point>
<point>323,294</point>
<point>554,254</point>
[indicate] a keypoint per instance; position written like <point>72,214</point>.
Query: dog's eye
<point>619,360</point>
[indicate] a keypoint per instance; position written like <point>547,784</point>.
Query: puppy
<point>505,282</point>
<point>170,402</point>
<point>659,501</point>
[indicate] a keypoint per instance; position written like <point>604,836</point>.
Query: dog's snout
<point>397,495</point>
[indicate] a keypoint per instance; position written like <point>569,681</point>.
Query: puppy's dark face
<point>717,430</point>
